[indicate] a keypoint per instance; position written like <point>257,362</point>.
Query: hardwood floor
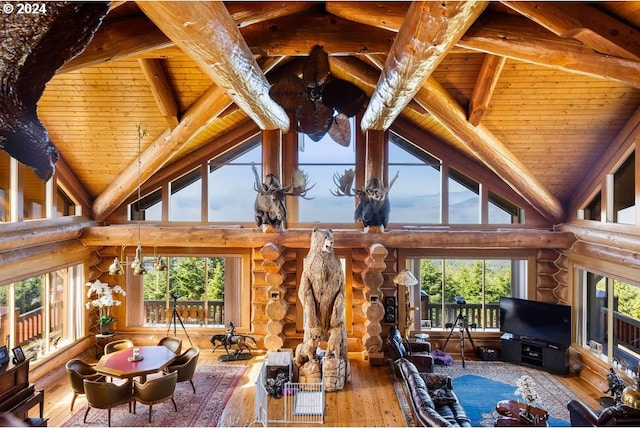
<point>368,400</point>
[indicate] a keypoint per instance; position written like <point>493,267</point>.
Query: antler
<point>258,186</point>
<point>299,185</point>
<point>343,183</point>
<point>393,181</point>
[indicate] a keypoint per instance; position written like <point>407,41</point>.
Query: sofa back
<point>396,345</point>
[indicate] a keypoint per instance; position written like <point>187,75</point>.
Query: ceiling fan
<point>321,103</point>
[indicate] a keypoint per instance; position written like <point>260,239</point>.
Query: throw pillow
<point>442,396</point>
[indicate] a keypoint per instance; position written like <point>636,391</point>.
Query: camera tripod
<point>463,325</point>
<point>175,318</point>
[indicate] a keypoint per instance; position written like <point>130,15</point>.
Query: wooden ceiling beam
<point>520,39</point>
<point>198,237</point>
<point>363,75</point>
<point>429,30</point>
<point>161,89</point>
<point>386,15</point>
<point>585,23</point>
<point>208,34</point>
<point>213,102</point>
<point>249,13</point>
<point>485,85</point>
<point>285,36</point>
<point>117,40</point>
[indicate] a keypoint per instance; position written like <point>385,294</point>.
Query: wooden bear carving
<point>322,293</point>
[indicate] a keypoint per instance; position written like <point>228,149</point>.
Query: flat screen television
<point>546,322</point>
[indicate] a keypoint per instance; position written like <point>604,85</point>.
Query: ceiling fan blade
<point>340,130</point>
<point>343,96</point>
<point>314,119</point>
<point>289,92</point>
<point>316,68</point>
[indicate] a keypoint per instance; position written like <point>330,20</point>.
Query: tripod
<point>175,317</point>
<point>463,324</point>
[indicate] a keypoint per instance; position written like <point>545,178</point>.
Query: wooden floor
<point>368,400</point>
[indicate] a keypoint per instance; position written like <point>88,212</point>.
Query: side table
<point>101,341</point>
<point>509,411</point>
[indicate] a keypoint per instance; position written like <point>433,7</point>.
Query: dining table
<point>121,364</point>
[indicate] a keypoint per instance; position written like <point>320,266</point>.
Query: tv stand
<point>535,353</point>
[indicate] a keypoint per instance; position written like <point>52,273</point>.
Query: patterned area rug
<point>214,386</point>
<point>481,384</point>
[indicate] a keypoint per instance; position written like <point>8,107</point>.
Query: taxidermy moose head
<point>270,209</point>
<point>374,206</point>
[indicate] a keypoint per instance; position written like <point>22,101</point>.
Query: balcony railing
<point>487,318</point>
<point>193,312</point>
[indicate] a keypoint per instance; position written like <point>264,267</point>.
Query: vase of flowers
<point>529,395</point>
<point>102,296</point>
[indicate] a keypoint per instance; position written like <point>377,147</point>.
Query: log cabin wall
<point>552,284</point>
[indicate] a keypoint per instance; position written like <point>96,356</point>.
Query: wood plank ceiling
<point>536,91</point>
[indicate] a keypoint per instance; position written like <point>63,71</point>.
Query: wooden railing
<point>30,326</point>
<point>487,318</point>
<point>194,312</point>
<point>626,330</point>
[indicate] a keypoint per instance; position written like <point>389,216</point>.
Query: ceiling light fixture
<point>138,262</point>
<point>116,268</point>
<point>158,262</point>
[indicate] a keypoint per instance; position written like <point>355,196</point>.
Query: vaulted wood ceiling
<point>535,91</point>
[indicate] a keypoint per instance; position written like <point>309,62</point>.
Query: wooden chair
<point>155,391</point>
<point>77,372</point>
<point>173,343</point>
<point>185,364</point>
<point>117,345</point>
<point>106,395</point>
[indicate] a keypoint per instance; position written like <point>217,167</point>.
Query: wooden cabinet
<point>535,353</point>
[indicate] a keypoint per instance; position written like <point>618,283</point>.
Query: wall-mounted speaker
<point>390,309</point>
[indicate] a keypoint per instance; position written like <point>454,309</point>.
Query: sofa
<point>583,416</point>
<point>433,401</point>
<point>418,353</point>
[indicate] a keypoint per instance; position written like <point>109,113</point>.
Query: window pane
<point>414,204</point>
<point>58,298</point>
<point>29,300</point>
<point>4,315</point>
<point>626,331</point>
<point>34,195</point>
<point>194,296</point>
<point>502,211</point>
<point>597,309</point>
<point>321,160</point>
<point>480,282</point>
<point>464,199</point>
<point>624,184</point>
<point>64,204</point>
<point>149,208</point>
<point>231,184</point>
<point>431,289</point>
<point>593,211</point>
<point>5,183</point>
<point>185,197</point>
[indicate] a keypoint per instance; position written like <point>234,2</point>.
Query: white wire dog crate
<point>300,402</point>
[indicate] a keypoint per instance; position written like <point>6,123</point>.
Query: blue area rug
<point>481,384</point>
<point>479,395</point>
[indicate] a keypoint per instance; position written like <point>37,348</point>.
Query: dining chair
<point>185,364</point>
<point>173,343</point>
<point>155,391</point>
<point>117,345</point>
<point>77,371</point>
<point>106,395</point>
